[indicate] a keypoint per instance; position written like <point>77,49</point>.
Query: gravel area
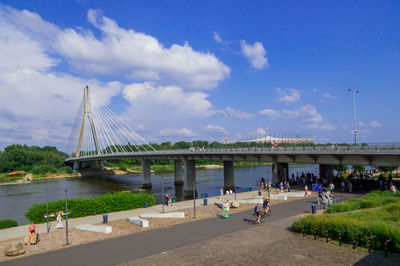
<point>266,244</point>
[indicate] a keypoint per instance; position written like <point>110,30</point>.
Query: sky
<point>201,70</point>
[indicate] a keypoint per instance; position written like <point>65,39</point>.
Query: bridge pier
<point>190,177</point>
<point>229,176</point>
<point>279,171</point>
<point>101,165</point>
<point>146,180</point>
<point>326,171</point>
<point>76,166</point>
<point>178,173</point>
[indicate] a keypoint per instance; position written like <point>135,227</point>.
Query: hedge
<point>79,207</point>
<point>7,223</point>
<point>383,222</point>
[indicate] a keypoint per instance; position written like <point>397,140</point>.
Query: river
<point>16,199</point>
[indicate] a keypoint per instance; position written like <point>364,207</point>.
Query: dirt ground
<point>266,244</point>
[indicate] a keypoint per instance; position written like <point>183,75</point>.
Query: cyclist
<point>258,210</point>
<point>266,205</point>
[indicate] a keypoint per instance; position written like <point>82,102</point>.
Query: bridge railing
<point>392,147</point>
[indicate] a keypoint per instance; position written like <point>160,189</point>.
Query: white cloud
<point>362,124</point>
<point>172,132</point>
<point>238,114</point>
<point>328,96</point>
<point>272,114</point>
<point>155,107</point>
<point>213,128</point>
<point>374,124</point>
<point>138,55</point>
<point>288,95</point>
<point>255,54</point>
<point>217,38</point>
<point>307,115</point>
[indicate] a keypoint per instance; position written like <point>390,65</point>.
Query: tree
<point>386,169</point>
<point>341,168</point>
<point>358,168</point>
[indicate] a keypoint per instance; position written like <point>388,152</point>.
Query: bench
<point>105,229</point>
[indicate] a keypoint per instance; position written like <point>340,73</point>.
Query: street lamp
<point>354,113</point>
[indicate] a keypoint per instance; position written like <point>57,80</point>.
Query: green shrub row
<point>383,222</point>
<point>79,207</point>
<point>7,223</point>
<point>371,200</point>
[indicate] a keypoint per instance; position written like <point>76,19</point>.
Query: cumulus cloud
<point>31,49</point>
<point>155,106</point>
<point>172,132</point>
<point>138,55</point>
<point>255,54</point>
<point>288,95</point>
<point>307,115</point>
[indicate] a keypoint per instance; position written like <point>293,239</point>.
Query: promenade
<point>127,249</point>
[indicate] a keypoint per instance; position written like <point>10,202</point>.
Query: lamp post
<point>354,113</point>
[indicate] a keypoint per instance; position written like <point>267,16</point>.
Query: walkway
<point>130,247</point>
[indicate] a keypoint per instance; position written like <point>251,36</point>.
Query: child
<point>305,190</point>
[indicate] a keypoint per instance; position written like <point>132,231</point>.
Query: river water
<point>16,199</point>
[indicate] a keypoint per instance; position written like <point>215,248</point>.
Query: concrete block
<point>252,201</point>
<point>105,229</point>
<point>278,197</point>
<point>136,220</point>
<point>164,215</point>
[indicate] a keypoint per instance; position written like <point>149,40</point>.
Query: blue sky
<point>173,69</point>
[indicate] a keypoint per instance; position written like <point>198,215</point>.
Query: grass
<point>10,178</point>
<point>371,200</point>
<point>382,219</point>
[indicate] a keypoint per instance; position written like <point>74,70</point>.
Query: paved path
<point>130,247</point>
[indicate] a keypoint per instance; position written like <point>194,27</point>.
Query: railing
<point>335,149</point>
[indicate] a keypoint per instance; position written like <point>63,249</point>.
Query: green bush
<point>79,207</point>
<point>7,223</point>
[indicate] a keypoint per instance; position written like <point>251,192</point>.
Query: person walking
<point>59,224</point>
<point>257,211</point>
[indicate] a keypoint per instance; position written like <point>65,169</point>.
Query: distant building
<point>276,140</point>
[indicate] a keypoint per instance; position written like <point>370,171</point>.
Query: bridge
<point>107,137</point>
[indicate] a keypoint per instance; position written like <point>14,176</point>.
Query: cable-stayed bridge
<point>104,136</point>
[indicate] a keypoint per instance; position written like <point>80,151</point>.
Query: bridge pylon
<point>87,115</point>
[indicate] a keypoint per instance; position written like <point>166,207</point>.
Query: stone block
<point>105,229</point>
<point>14,250</point>
<point>141,222</point>
<point>235,204</point>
